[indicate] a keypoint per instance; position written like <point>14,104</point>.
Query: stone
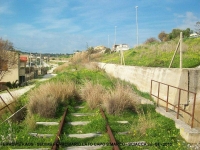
<point>82,114</point>
<point>41,135</point>
<point>87,135</point>
<point>76,123</point>
<point>122,122</point>
<point>47,123</point>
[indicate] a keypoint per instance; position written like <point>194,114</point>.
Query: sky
<point>65,26</point>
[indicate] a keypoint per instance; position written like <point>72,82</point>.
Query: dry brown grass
<point>92,93</point>
<point>119,99</point>
<point>45,99</point>
<point>61,67</point>
<point>84,57</point>
<point>92,66</point>
<point>81,57</point>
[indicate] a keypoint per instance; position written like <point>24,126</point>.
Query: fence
<point>6,105</point>
<point>178,106</point>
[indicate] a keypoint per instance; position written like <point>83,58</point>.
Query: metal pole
<point>136,25</point>
<point>181,50</point>
<point>108,42</point>
<point>115,34</point>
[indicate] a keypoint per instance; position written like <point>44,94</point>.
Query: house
<point>22,69</point>
<point>193,35</point>
<point>9,72</point>
<point>120,47</point>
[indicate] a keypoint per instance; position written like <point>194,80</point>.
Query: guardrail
<point>179,99</point>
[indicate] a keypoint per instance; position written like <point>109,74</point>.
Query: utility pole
<point>115,34</point>
<point>108,42</point>
<point>136,25</point>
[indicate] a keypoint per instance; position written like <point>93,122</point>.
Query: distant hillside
<point>159,54</point>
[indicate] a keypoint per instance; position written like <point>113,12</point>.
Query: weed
<point>119,99</point>
<point>45,99</point>
<point>30,121</point>
<point>145,122</point>
<point>92,93</point>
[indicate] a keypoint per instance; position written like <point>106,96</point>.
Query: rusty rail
<point>109,131</point>
<point>179,99</point>
<point>55,145</point>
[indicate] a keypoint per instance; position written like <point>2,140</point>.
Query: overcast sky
<point>64,26</point>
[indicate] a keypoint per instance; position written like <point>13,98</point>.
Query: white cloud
<point>188,21</point>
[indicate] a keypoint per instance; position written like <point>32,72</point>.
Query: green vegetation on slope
<point>159,54</point>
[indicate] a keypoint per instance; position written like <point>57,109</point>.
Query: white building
<point>120,47</point>
<point>194,35</point>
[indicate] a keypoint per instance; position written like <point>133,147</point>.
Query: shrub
<point>45,99</point>
<point>121,98</point>
<point>80,57</point>
<point>92,93</point>
<point>61,68</point>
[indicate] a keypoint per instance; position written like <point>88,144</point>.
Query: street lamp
<point>136,25</point>
<point>108,42</point>
<point>115,34</point>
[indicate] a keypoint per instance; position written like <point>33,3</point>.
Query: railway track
<point>56,143</point>
<point>71,133</point>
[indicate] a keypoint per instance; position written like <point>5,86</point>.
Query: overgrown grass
<point>120,98</point>
<point>46,99</point>
<point>144,125</point>
<point>92,93</point>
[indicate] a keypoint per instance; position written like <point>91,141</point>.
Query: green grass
<point>164,132</point>
<point>159,55</point>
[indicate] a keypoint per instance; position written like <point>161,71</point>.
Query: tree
<point>108,50</point>
<point>175,33</point>
<point>90,50</point>
<point>151,40</point>
<point>197,27</point>
<point>8,57</point>
<point>163,36</point>
<point>186,33</point>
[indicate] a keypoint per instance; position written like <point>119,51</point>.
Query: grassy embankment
<point>160,54</point>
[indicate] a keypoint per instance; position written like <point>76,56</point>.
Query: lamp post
<point>108,42</point>
<point>115,34</point>
<point>136,25</point>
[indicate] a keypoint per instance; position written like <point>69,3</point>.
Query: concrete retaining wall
<point>182,78</point>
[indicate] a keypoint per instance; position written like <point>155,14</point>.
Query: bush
<point>45,99</point>
<point>92,93</point>
<point>121,98</point>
